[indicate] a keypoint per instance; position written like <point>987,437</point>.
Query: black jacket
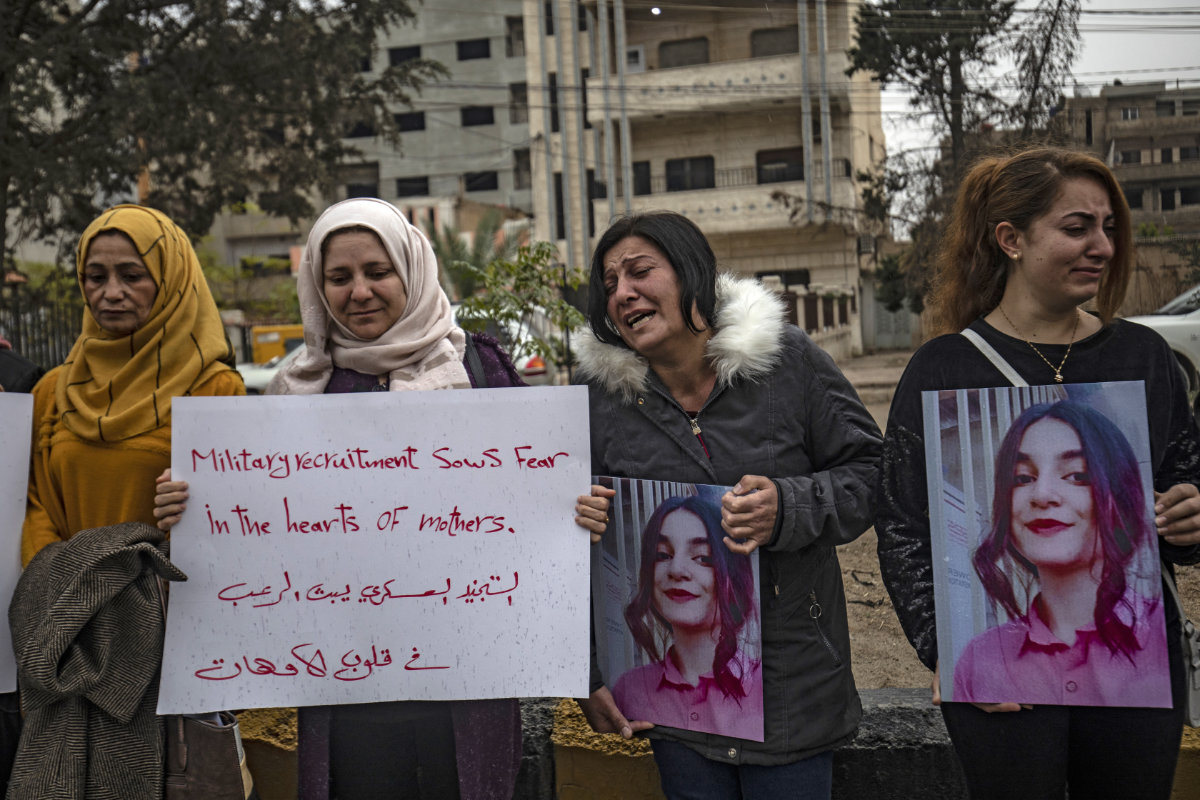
<point>17,374</point>
<point>1121,351</point>
<point>781,408</point>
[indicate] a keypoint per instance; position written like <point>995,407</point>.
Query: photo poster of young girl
<point>1047,582</point>
<point>677,622</point>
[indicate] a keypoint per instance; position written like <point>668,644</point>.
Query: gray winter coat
<point>781,408</point>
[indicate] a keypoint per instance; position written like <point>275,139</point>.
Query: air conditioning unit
<point>635,58</point>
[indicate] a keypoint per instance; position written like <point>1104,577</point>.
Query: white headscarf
<point>422,350</point>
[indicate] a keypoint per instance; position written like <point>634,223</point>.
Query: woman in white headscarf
<point>376,319</point>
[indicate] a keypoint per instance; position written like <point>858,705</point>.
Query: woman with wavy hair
<point>1033,238</point>
<point>1069,523</point>
<point>691,614</point>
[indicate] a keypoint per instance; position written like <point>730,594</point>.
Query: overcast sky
<point>1159,41</point>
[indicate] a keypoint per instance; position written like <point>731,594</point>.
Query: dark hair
<point>972,270</point>
<point>734,596</point>
<point>1118,513</point>
<point>685,248</point>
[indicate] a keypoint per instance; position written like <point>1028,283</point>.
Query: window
<point>471,49</point>
<point>361,130</point>
<point>477,115</point>
<point>641,177</point>
<point>583,76</point>
<point>518,102</point>
<point>1189,196</point>
<point>410,121</point>
<point>686,174</point>
<point>784,164</point>
<point>683,53</point>
<point>362,190</point>
<point>1166,157</point>
<point>548,10</point>
<point>1133,197</point>
<point>552,87</point>
<point>365,64</point>
<point>1167,199</point>
<point>1191,108</point>
<point>1130,157</point>
<point>514,37</point>
<point>774,41</point>
<point>1164,108</point>
<point>1129,112</point>
<point>360,180</point>
<point>482,181</point>
<point>560,217</point>
<point>1087,136</point>
<point>412,187</point>
<point>522,169</point>
<point>840,167</point>
<point>1189,153</point>
<point>398,55</point>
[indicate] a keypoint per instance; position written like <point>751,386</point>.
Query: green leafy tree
<point>264,290</point>
<point>216,102</point>
<point>461,264</point>
<point>520,295</point>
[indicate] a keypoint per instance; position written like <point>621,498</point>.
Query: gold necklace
<point>1057,370</point>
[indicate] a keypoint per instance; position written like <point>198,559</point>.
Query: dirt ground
<point>881,656</point>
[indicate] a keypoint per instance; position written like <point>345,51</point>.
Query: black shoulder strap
<point>475,365</point>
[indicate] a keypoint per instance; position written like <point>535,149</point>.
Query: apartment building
<point>1150,135</point>
<point>465,138</point>
<point>709,108</point>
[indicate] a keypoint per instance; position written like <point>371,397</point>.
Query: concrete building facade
<point>1150,135</point>
<point>466,136</point>
<point>710,109</point>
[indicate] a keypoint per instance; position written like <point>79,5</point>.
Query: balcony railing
<point>763,176</point>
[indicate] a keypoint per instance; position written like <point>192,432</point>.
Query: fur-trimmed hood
<point>746,345</point>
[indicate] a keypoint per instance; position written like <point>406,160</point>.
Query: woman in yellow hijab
<point>102,420</point>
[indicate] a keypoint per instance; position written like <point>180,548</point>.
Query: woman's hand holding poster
<point>381,546</point>
<point>677,622</point>
<point>1046,573</point>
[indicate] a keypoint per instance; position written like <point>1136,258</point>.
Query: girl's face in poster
<point>684,583</point>
<point>1052,506</point>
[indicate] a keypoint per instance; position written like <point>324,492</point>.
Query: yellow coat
<point>76,484</point>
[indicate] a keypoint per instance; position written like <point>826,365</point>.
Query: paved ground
<point>875,377</point>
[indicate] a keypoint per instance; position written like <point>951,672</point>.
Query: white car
<point>1179,323</point>
<point>257,376</point>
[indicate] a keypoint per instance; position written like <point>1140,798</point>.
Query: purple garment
<point>1023,661</point>
<point>487,733</point>
<point>658,693</point>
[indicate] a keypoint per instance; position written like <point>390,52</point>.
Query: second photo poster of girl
<point>677,620</point>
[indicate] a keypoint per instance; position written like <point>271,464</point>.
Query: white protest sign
<point>15,433</point>
<point>378,546</point>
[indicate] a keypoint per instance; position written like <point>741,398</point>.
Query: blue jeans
<point>687,775</point>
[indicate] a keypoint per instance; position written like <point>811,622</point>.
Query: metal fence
<point>43,321</point>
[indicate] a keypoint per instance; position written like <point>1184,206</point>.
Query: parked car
<point>1179,323</point>
<point>257,376</point>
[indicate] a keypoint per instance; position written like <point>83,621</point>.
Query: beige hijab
<point>422,350</point>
